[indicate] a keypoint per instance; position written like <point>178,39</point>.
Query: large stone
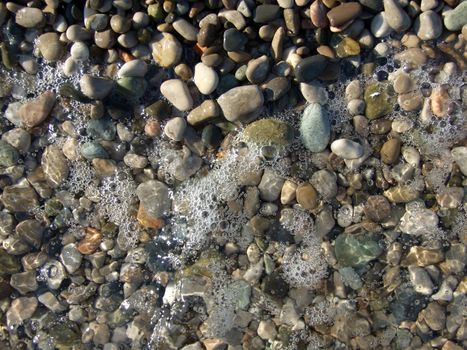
<point>50,46</point>
<point>356,250</point>
<point>20,197</point>
<point>29,17</point>
<point>205,78</point>
<point>378,99</point>
<point>176,91</point>
<point>397,18</point>
<point>315,128</point>
<point>166,50</point>
<point>34,112</point>
<point>310,68</point>
<point>455,19</point>
<point>241,103</point>
<point>428,25</point>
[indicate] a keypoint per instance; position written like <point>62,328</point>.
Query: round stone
<point>166,50</point>
<point>29,17</point>
<point>175,128</point>
<point>257,70</point>
<point>176,91</point>
<point>50,46</point>
<point>377,208</point>
<point>243,102</point>
<point>205,79</point>
<point>310,68</point>
<point>390,151</point>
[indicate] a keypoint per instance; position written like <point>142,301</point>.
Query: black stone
<point>275,285</point>
<point>310,68</point>
<point>234,40</point>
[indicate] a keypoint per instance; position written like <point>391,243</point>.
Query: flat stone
<point>344,13</point>
<point>34,112</point>
<point>205,79</point>
<point>379,25</point>
<point>19,197</point>
<point>310,68</point>
<point>269,131</point>
<point>95,87</point>
<point>419,222</point>
<point>347,149</point>
<point>241,103</point>
<point>414,56</point>
<point>356,250</point>
<point>50,46</point>
<point>207,34</point>
<point>29,17</point>
<point>54,165</point>
<point>422,256</point>
<point>435,316</point>
<point>166,50</point>
<point>93,150</point>
<point>24,282</point>
<point>318,13</point>
<point>176,91</point>
<point>315,128</point>
<point>8,154</point>
<point>347,47</point>
<point>420,280</point>
<point>401,194</point>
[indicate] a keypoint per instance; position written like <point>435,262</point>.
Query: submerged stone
<point>356,250</point>
<point>378,99</point>
<point>315,128</point>
<point>269,131</point>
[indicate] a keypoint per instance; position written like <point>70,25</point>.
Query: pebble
<point>419,222</point>
<point>428,25</point>
<point>411,101</point>
<point>269,132</point>
<point>55,166</point>
<point>71,258</point>
<point>275,88</point>
<point>377,208</point>
<point>176,91</point>
<point>154,197</point>
<point>318,14</point>
<point>91,241</point>
<point>378,102</point>
<point>79,52</point>
<point>315,128</point>
<point>34,112</point>
<point>395,16</point>
<point>342,14</point>
<point>94,87</point>
<point>451,197</point>
<point>205,112</point>
<point>314,92</point>
<point>241,103</point>
<point>257,70</point>
<point>403,83</point>
<point>50,46</point>
<point>460,157</point>
<point>166,50</point>
<point>325,182</point>
<point>8,154</point>
<point>175,128</point>
<point>266,13</point>
<point>29,17</point>
<point>24,282</point>
<point>185,29</point>
<point>92,150</point>
<point>267,330</point>
<point>346,149</point>
<point>19,139</point>
<point>134,68</point>
<point>205,78</point>
<point>270,186</point>
<point>455,19</point>
<point>420,280</point>
<point>19,197</point>
<point>390,151</point>
<point>135,161</point>
<point>21,309</point>
<point>307,196</point>
<point>356,250</point>
<point>379,25</point>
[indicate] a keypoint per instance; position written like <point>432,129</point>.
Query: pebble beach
<point>233,174</point>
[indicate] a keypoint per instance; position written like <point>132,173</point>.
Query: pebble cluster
<point>233,174</point>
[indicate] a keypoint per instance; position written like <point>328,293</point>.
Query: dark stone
<point>275,285</point>
<point>266,13</point>
<point>406,304</point>
<point>234,40</point>
<point>310,68</point>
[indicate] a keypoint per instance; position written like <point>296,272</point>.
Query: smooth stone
<point>177,92</point>
<point>8,154</point>
<point>233,40</point>
<point>356,250</point>
<point>307,196</point>
<point>347,47</point>
<point>414,56</point>
<point>34,112</point>
<point>277,44</point>
<point>410,101</point>
<point>205,112</point>
<point>325,182</point>
<point>428,25</point>
<point>234,17</point>
<point>356,107</point>
<point>135,161</point>
<point>205,78</point>
<point>292,21</point>
<point>270,186</point>
<point>54,165</point>
<point>19,139</point>
<point>92,150</point>
<point>105,39</point>
<point>79,52</point>
<point>378,102</point>
<point>275,88</point>
<point>266,13</point>
<point>344,13</point>
<point>257,69</point>
<point>185,29</point>
<point>241,102</point>
<point>379,25</point>
<point>20,197</point>
<point>133,68</point>
<point>269,131</point>
<point>208,34</point>
<point>95,87</point>
<point>377,208</point>
<point>346,149</point>
<point>390,151</point>
<point>396,17</point>
<point>315,128</point>
<point>71,257</point>
<point>166,50</point>
<point>154,197</point>
<point>175,128</point>
<point>131,87</point>
<point>455,19</point>
<point>403,83</point>
<point>310,68</point>
<point>318,13</point>
<point>50,46</point>
<point>29,17</point>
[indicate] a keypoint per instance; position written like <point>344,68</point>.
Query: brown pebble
<point>411,101</point>
<point>307,196</point>
<point>344,13</point>
<point>326,51</point>
<point>90,242</point>
<point>183,71</point>
<point>377,208</point>
<point>390,151</point>
<point>152,128</point>
<point>440,102</point>
<point>318,14</point>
